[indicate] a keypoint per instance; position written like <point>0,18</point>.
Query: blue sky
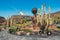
<point>12,7</point>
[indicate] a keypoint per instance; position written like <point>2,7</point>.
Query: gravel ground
<point>4,35</point>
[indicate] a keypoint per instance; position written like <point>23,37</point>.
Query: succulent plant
<point>27,30</point>
<point>12,29</point>
<point>1,26</point>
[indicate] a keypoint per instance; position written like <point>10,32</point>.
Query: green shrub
<point>12,29</point>
<point>2,26</point>
<point>58,27</point>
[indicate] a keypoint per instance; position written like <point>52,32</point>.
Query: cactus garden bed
<point>17,31</point>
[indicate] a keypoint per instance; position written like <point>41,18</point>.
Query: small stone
<point>28,33</point>
<point>18,33</point>
<point>2,29</point>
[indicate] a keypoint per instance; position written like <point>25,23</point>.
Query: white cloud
<point>21,13</point>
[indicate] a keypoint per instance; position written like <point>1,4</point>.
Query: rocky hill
<point>56,14</point>
<point>2,20</point>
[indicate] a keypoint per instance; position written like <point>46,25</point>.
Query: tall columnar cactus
<point>49,17</point>
<point>38,16</point>
<point>44,16</point>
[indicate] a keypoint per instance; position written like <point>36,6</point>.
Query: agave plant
<point>27,30</point>
<point>12,29</point>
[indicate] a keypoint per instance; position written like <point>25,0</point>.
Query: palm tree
<point>34,19</point>
<point>34,11</point>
